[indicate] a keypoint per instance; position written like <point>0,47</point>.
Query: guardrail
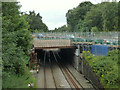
<point>108,38</point>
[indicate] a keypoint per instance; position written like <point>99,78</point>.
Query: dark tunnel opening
<point>65,56</point>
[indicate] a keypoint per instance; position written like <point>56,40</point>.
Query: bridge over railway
<point>79,41</point>
<point>46,44</point>
<point>57,56</point>
<point>96,43</point>
<point>53,40</point>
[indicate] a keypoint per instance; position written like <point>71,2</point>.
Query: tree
<point>82,26</point>
<point>63,28</point>
<point>86,16</point>
<point>110,16</point>
<point>16,40</point>
<point>35,21</point>
<point>101,17</point>
<point>76,14</point>
<point>94,17</point>
<point>119,16</point>
<point>94,29</point>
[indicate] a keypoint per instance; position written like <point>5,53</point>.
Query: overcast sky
<point>52,11</point>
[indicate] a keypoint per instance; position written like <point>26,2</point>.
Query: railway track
<point>68,75</point>
<point>50,63</point>
<point>49,81</point>
<point>57,75</point>
<point>45,84</point>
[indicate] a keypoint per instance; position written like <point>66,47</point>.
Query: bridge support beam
<point>33,60</point>
<point>77,53</point>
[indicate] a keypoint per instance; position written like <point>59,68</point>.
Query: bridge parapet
<point>102,38</point>
<point>51,43</point>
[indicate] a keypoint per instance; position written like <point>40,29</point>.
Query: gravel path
<point>80,78</point>
<point>40,78</point>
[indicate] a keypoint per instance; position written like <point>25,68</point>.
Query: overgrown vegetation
<point>88,17</point>
<point>35,22</point>
<point>15,81</point>
<point>16,43</point>
<point>105,67</point>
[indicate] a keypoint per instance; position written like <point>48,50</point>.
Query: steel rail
<point>52,71</point>
<point>45,83</point>
<point>68,75</point>
<point>61,69</point>
<point>74,77</point>
<point>70,72</point>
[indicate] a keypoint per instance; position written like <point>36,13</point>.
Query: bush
<point>14,81</point>
<point>16,43</point>
<point>105,67</point>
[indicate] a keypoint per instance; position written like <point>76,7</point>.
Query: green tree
<point>63,28</point>
<point>110,16</point>
<point>118,16</point>
<point>104,16</point>
<point>76,14</point>
<point>82,26</point>
<point>35,21</point>
<point>94,29</point>
<point>94,18</point>
<point>16,41</point>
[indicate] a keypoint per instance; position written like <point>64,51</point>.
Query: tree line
<point>16,45</point>
<point>35,21</point>
<point>88,17</point>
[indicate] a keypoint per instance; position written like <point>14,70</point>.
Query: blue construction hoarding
<point>99,50</point>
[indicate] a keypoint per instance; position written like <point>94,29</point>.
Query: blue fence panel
<point>99,50</point>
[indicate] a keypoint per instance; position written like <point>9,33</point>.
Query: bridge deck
<point>38,44</point>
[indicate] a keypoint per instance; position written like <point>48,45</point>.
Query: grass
<point>15,81</point>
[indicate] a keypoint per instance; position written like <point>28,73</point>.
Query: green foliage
<point>82,26</point>
<point>35,21</point>
<point>119,16</point>
<point>13,59</point>
<point>94,29</point>
<point>24,40</point>
<point>15,81</point>
<point>94,17</point>
<point>110,21</point>
<point>16,43</point>
<point>74,15</point>
<point>63,28</point>
<point>87,15</point>
<point>105,67</point>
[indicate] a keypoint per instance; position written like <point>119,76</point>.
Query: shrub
<point>14,81</point>
<point>105,67</point>
<point>16,43</point>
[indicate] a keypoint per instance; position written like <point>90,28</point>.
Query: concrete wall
<point>51,43</point>
<point>75,62</point>
<point>86,70</point>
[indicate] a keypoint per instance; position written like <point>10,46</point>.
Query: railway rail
<point>69,76</point>
<point>57,75</point>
